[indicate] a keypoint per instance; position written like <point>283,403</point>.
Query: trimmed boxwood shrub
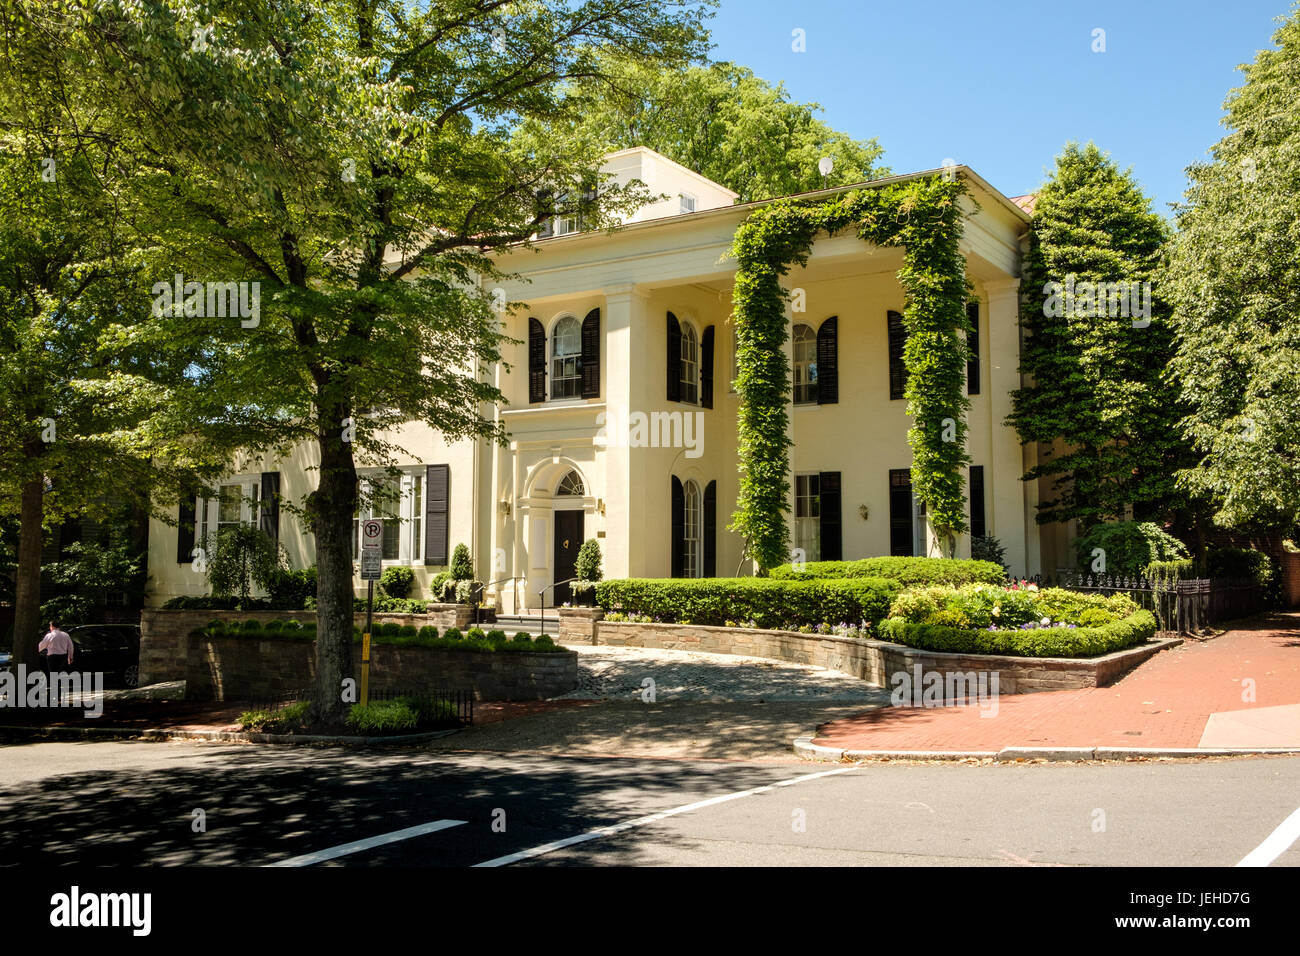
<point>768,603</point>
<point>397,582</point>
<point>906,571</point>
<point>387,633</point>
<point>1135,629</point>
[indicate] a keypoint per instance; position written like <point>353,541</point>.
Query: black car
<point>113,649</point>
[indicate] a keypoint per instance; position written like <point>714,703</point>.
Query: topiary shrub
<point>1126,548</point>
<point>397,582</point>
<point>522,636</point>
<point>452,634</point>
<point>462,568</point>
<point>289,590</point>
<point>475,634</point>
<point>428,633</point>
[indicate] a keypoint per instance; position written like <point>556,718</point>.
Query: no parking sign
<point>372,549</point>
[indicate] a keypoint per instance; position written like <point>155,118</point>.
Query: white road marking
<point>652,818</point>
<point>307,859</point>
<point>1275,844</point>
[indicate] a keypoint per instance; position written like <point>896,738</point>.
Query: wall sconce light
<point>864,512</point>
<point>600,506</point>
<point>505,507</point>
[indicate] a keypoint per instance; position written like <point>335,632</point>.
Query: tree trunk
<point>27,599</point>
<point>331,509</point>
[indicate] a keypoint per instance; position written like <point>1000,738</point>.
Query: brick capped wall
<point>163,634</point>
<point>240,668</point>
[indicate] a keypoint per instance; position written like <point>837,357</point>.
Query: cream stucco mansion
<point>622,419</point>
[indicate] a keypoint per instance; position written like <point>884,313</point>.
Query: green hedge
<point>906,571</point>
<point>401,635</point>
<point>1135,629</point>
<point>769,603</point>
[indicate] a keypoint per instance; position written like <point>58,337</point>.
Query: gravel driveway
<point>619,673</point>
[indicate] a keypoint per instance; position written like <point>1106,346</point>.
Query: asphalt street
<point>141,804</point>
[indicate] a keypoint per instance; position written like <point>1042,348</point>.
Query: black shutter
<point>270,504</point>
<point>591,355</point>
<point>828,365</point>
<point>536,362</point>
<point>437,494</point>
<point>977,525</point>
<point>674,359</point>
<point>185,528</point>
<point>973,346</point>
<point>900,512</point>
<point>832,535</point>
<point>706,368</point>
<point>679,528</point>
<point>711,528</point>
<point>897,370</point>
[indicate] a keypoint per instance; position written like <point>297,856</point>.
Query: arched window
<point>690,392</point>
<point>566,358</point>
<point>805,365</point>
<point>692,561</point>
<point>570,484</point>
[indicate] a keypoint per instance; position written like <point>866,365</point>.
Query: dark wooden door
<point>568,539</point>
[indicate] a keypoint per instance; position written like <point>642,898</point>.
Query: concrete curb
<point>805,748</point>
<point>228,736</point>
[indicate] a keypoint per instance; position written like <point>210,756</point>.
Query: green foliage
<point>924,217</point>
<point>428,633</point>
<point>1129,546</point>
<point>475,634</point>
<point>771,603</point>
<point>906,571</point>
<point>391,605</point>
<point>462,568</point>
<point>984,606</point>
<point>1138,628</point>
<point>290,589</point>
<point>397,581</point>
<point>1164,574</point>
<point>723,122</point>
<point>1098,383</point>
<point>588,561</point>
<point>387,633</point>
<point>1246,563</point>
<point>452,634</point>
<point>287,719</point>
<point>241,558</point>
<point>522,637</point>
<point>988,548</point>
<point>1235,283</point>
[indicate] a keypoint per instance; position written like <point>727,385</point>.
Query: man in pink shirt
<point>58,649</point>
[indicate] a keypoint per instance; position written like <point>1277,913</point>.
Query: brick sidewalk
<point>1165,703</point>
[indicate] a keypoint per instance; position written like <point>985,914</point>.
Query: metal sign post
<point>372,560</point>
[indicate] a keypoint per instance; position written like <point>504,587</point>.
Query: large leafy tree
<point>725,123</point>
<point>355,159</point>
<point>1234,278</point>
<point>1098,387</point>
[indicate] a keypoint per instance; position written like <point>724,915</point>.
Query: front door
<point>568,539</point>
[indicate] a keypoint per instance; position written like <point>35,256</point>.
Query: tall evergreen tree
<point>1095,355</point>
<point>1234,279</point>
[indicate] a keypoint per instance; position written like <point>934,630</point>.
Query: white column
<point>629,368</point>
<point>1011,502</point>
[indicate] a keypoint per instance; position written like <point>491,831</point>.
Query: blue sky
<point>1002,85</point>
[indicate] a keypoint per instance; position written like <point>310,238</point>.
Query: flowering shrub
<point>1018,606</point>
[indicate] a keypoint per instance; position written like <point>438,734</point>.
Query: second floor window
<point>690,392</point>
<point>805,365</point>
<point>566,359</point>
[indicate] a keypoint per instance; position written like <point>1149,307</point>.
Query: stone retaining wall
<point>871,660</point>
<point>163,634</point>
<point>241,668</point>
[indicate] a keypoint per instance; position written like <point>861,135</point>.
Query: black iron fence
<point>1186,606</point>
<point>442,707</point>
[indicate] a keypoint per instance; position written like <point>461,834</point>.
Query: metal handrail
<point>542,591</point>
<point>483,587</point>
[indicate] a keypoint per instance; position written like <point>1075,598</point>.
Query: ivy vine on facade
<point>923,217</point>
